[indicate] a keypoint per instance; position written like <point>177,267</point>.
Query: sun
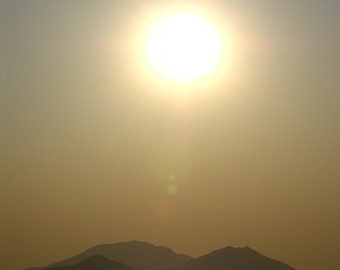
<point>183,47</point>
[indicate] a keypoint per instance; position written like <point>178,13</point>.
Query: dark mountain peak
<point>141,255</point>
<point>134,248</point>
<point>143,244</point>
<point>135,254</point>
<point>97,262</point>
<point>232,251</point>
<point>131,244</point>
<point>235,258</point>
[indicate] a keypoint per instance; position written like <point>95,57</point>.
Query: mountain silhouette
<point>144,256</point>
<point>231,258</point>
<point>96,262</point>
<point>135,254</point>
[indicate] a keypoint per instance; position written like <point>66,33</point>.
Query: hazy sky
<point>92,153</point>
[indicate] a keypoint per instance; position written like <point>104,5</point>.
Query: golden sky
<point>96,148</point>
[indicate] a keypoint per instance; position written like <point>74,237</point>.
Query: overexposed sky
<point>93,153</point>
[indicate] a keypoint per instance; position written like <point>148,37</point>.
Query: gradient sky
<point>92,153</point>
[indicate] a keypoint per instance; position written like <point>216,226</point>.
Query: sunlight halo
<point>183,47</point>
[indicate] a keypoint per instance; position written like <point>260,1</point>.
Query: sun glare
<point>183,47</point>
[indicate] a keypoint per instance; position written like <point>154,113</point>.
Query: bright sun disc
<point>183,47</point>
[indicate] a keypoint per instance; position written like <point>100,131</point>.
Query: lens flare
<point>172,189</point>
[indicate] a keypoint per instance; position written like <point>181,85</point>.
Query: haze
<point>93,152</point>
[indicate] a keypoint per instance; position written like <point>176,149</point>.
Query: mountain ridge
<point>95,262</point>
<point>231,258</point>
<point>139,255</point>
<point>132,254</point>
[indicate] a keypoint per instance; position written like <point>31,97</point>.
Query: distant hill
<point>95,262</point>
<point>230,258</point>
<point>135,254</point>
